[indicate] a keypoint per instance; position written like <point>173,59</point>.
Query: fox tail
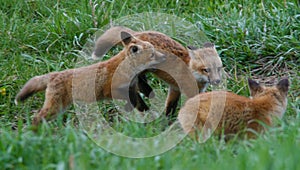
<point>108,39</point>
<point>34,85</point>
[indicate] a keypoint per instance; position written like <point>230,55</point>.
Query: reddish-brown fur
<point>237,113</point>
<point>90,83</point>
<point>204,63</point>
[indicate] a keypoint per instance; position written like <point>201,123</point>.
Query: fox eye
<point>220,68</point>
<point>134,49</point>
<point>206,70</point>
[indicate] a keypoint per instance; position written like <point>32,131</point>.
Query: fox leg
<point>51,107</point>
<point>140,104</point>
<point>135,100</point>
<point>172,101</point>
<point>144,87</point>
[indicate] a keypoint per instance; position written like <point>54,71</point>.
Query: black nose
<point>215,82</point>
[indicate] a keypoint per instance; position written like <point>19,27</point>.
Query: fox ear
<point>191,50</point>
<point>190,47</point>
<point>283,86</point>
<point>126,37</point>
<point>208,45</point>
<point>254,87</point>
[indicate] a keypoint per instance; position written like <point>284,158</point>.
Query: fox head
<point>141,52</point>
<point>205,64</point>
<point>278,93</point>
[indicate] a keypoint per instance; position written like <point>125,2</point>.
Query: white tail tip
<point>16,101</point>
<point>94,56</point>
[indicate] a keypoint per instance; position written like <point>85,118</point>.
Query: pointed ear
<point>254,87</point>
<point>191,54</point>
<point>208,45</point>
<point>283,86</point>
<point>190,47</point>
<point>191,50</point>
<point>126,37</point>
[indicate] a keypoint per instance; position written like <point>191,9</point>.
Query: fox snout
<point>159,57</point>
<point>215,76</point>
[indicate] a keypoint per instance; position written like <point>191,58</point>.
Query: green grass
<point>254,38</point>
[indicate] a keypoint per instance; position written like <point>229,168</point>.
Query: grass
<point>254,38</point>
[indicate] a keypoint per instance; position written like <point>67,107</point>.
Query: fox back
<point>204,63</point>
<point>89,83</point>
<point>238,113</point>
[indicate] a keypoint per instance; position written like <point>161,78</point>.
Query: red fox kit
<point>90,83</point>
<point>239,112</point>
<point>204,63</point>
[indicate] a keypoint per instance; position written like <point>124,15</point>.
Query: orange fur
<point>204,63</point>
<point>90,83</point>
<point>239,112</point>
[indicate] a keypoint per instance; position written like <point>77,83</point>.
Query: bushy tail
<point>108,39</point>
<point>35,84</point>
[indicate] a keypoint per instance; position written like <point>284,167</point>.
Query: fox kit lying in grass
<point>239,112</point>
<point>204,63</point>
<point>90,83</point>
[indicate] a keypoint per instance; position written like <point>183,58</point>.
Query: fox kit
<point>90,83</point>
<point>204,63</point>
<point>239,112</point>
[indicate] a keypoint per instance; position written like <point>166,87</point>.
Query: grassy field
<point>259,39</point>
